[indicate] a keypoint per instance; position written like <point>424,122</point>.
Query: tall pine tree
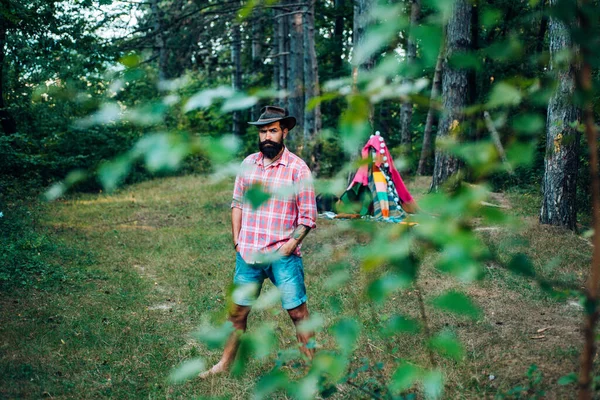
<point>455,90</point>
<point>562,138</point>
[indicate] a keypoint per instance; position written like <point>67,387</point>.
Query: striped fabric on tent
<point>377,188</point>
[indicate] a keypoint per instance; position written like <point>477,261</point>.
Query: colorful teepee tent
<point>377,188</point>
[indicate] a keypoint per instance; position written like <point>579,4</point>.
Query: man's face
<point>270,139</point>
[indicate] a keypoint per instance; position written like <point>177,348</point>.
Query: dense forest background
<point>473,97</point>
<point>63,61</point>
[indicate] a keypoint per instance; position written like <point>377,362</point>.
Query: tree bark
<point>455,91</point>
<point>431,116</point>
<point>3,29</point>
<point>338,35</point>
<point>282,26</point>
<point>589,330</point>
<point>360,24</point>
<point>275,50</point>
<point>256,58</point>
<point>407,107</point>
<point>585,83</point>
<point>497,142</point>
<point>236,73</point>
<point>296,68</point>
<point>474,48</point>
<point>562,140</point>
<point>312,118</point>
<point>543,28</point>
<point>160,47</point>
<point>8,123</point>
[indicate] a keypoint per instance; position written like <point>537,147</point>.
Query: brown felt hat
<point>270,114</point>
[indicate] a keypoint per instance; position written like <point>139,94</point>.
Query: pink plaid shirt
<point>292,203</point>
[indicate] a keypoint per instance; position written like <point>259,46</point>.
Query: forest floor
<point>153,261</point>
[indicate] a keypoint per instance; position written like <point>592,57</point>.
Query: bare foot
<point>218,368</point>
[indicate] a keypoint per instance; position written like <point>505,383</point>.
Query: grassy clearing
<point>148,265</point>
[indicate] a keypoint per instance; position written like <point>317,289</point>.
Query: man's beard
<point>269,148</point>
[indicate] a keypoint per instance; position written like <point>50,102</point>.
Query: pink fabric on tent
<point>362,175</point>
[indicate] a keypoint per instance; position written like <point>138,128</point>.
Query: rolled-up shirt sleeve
<point>238,192</point>
<point>305,200</point>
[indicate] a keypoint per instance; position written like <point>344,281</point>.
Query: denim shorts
<point>286,273</point>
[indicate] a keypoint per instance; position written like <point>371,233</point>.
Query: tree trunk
<point>360,24</point>
<point>275,50</point>
<point>312,118</point>
<point>431,116</point>
<point>586,91</point>
<point>543,28</point>
<point>296,76</point>
<point>455,90</point>
<point>342,17</point>
<point>591,294</point>
<point>236,73</point>
<point>407,107</point>
<point>159,40</point>
<point>338,35</point>
<point>383,112</point>
<point>359,28</point>
<point>8,123</point>
<point>282,27</point>
<point>256,58</point>
<point>588,354</point>
<point>474,48</point>
<point>562,140</point>
<point>3,29</point>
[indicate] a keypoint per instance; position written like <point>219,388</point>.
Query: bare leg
<point>239,317</point>
<point>298,315</point>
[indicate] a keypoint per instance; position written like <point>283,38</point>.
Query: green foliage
<point>533,389</point>
<point>447,345</point>
<point>503,94</point>
<point>568,379</point>
<point>328,155</point>
<point>346,333</point>
<point>400,324</point>
<point>270,383</point>
<point>457,303</point>
<point>106,130</point>
<point>380,289</point>
<point>26,255</point>
<point>214,337</point>
<point>521,264</point>
<point>404,377</point>
<point>256,196</point>
<point>433,384</point>
<point>379,34</point>
<point>584,201</point>
<point>187,370</point>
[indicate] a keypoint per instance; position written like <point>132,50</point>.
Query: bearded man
<point>267,239</point>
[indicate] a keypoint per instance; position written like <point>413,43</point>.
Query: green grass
<point>143,268</point>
